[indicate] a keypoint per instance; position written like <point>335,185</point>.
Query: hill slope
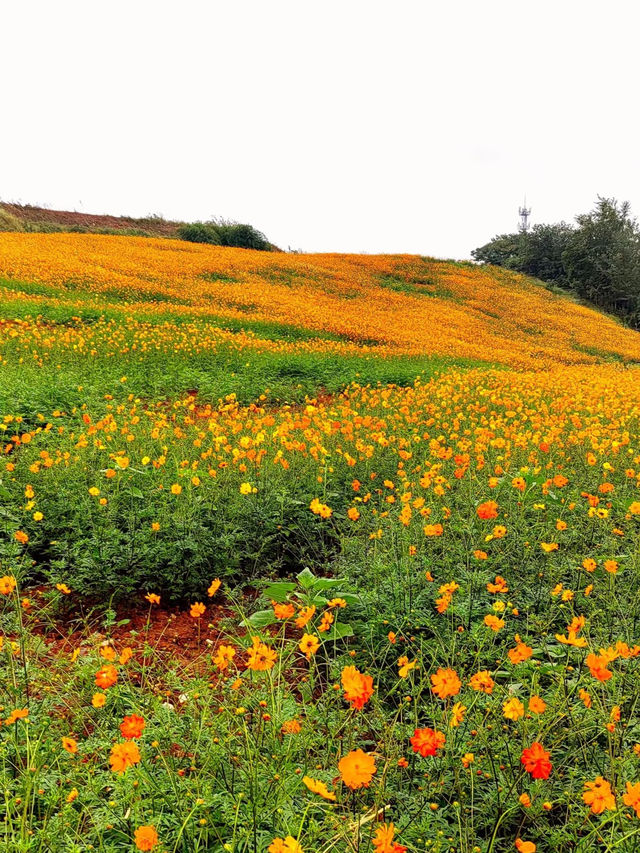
<point>409,305</point>
<point>28,217</point>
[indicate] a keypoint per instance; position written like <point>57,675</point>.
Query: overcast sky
<point>331,126</point>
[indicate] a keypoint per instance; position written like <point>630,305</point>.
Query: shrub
<point>199,232</point>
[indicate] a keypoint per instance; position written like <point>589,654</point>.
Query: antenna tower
<point>524,213</point>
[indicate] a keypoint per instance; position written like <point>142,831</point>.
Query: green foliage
<point>223,233</point>
<point>602,258</point>
<point>199,232</point>
<point>599,259</point>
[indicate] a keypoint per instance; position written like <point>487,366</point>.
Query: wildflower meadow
<point>312,553</point>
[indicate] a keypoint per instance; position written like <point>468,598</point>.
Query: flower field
<point>312,553</point>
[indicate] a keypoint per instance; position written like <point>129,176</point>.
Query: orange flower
<point>309,645</point>
<point>537,705</point>
<point>499,586</point>
<point>482,681</point>
<point>98,700</point>
<point>598,795</point>
<point>326,622</point>
<point>215,586</point>
<point>405,666</point>
<point>521,652</point>
<point>63,588</point>
<point>132,726</point>
<point>525,846</point>
<point>536,761</point>
<point>123,756</point>
<point>318,787</point>
<point>632,797</point>
<point>427,741</point>
<point>261,657</point>
<point>487,510</point>
<point>433,530</point>
<point>305,615</point>
<point>223,656</point>
<point>358,688</point>
<point>493,622</point>
<point>21,537</point>
<point>513,709</point>
<point>197,609</point>
<point>445,682</point>
<point>283,611</point>
<point>152,598</point>
<point>146,838</point>
<point>383,840</point>
<point>106,676</point>
<point>291,727</point>
<point>18,714</point>
<point>598,667</point>
<point>585,697</point>
<point>7,584</point>
<point>285,845</point>
<point>70,745</point>
<point>357,769</point>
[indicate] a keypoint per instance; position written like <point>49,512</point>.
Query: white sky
<point>347,126</point>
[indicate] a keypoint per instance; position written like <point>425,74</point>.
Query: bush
<point>199,232</point>
<point>225,233</point>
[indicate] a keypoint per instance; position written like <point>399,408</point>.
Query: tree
<point>502,251</point>
<point>602,258</point>
<point>541,251</point>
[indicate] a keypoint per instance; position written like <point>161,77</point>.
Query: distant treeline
<point>598,258</point>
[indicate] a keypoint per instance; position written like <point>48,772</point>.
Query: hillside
<point>401,305</point>
<point>28,217</point>
<point>374,518</point>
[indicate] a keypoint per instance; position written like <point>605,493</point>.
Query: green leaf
<point>259,619</point>
<point>339,631</point>
<point>279,591</point>
<point>326,583</point>
<point>306,578</point>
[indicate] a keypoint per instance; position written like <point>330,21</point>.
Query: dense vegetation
<point>41,220</point>
<point>222,233</point>
<point>598,258</point>
<point>312,553</point>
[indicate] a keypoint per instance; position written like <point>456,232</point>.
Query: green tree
<point>602,257</point>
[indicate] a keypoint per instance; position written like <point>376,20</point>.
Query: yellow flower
<point>457,714</point>
<point>7,584</point>
<point>513,709</point>
<point>318,787</point>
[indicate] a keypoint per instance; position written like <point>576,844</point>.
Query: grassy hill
<point>402,305</point>
<point>297,547</point>
<point>28,217</point>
